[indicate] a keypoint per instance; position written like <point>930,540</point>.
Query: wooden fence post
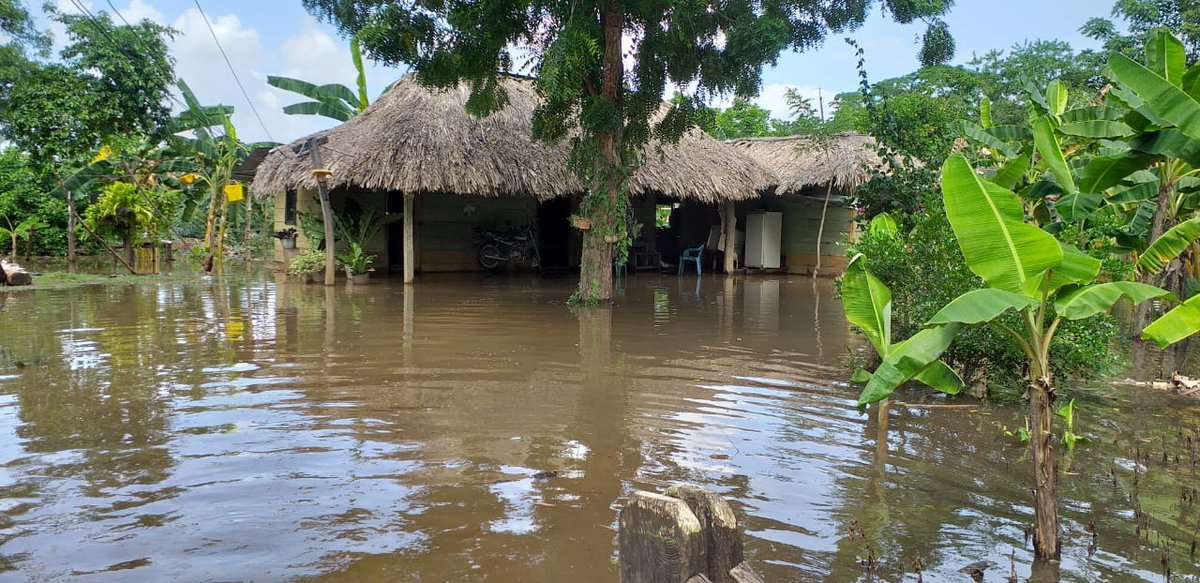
<point>689,535</point>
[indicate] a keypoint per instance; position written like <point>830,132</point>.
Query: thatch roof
<point>415,139</point>
<point>800,162</point>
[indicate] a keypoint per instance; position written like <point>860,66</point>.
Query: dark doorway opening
<point>554,233</point>
<point>395,232</point>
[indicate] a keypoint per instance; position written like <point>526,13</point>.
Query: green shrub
<point>306,263</point>
<point>925,270</point>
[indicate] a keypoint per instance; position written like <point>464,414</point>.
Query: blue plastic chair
<point>692,254</point>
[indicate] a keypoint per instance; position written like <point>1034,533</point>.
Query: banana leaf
<point>906,361</point>
<point>1103,173</point>
<point>1170,143</point>
<point>940,377</point>
<point>1094,113</point>
<point>1139,192</point>
<point>1165,56</point>
<point>988,222</point>
<point>1139,224</point>
<point>980,135</point>
<point>1056,97</point>
<point>319,108</point>
<point>1166,100</point>
<point>985,113</point>
<point>1011,174</point>
<point>1179,323</point>
<point>980,305</point>
<point>883,224</point>
<point>1079,206</point>
<point>867,303</point>
<point>1091,300</point>
<point>1011,133</point>
<point>1167,247</point>
<point>1077,268</point>
<point>1191,82</point>
<point>364,99</point>
<point>1047,146</point>
<point>1100,128</point>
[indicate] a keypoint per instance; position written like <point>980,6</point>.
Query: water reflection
<point>469,429</point>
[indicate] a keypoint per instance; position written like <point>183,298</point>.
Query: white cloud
<point>139,10</point>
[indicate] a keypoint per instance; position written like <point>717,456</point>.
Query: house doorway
<point>395,232</point>
<point>554,233</point>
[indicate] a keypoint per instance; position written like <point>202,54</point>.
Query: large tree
<point>1141,17</point>
<point>602,67</point>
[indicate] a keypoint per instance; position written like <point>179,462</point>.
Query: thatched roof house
<point>420,140</point>
<point>804,162</point>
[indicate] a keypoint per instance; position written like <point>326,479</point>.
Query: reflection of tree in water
<point>110,409</point>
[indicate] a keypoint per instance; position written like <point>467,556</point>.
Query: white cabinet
<point>764,235</point>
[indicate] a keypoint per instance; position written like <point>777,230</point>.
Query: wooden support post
<point>729,229</point>
<point>71,254</point>
<point>322,176</point>
<point>410,266</point>
<point>687,536</point>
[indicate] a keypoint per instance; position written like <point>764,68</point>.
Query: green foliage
<point>306,263</point>
<point>333,101</point>
<point>121,211</point>
<point>1141,18</point>
<point>313,227</point>
<point>925,271</point>
<point>23,195</point>
<point>356,227</point>
<point>64,111</point>
<point>356,261</point>
<point>575,51</point>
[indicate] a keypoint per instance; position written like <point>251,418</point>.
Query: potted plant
<point>287,237</point>
<point>357,264</point>
<point>307,266</point>
<point>581,222</point>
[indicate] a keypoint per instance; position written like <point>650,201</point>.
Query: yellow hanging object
<point>104,154</point>
<point>235,330</point>
<point>188,179</point>
<point>234,192</point>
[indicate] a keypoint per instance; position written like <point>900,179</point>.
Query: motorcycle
<point>517,246</point>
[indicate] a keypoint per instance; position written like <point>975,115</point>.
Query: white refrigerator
<point>764,237</point>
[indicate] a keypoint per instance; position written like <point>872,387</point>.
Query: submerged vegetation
<point>1018,225</point>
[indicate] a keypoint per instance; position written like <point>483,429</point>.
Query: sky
<point>277,37</point>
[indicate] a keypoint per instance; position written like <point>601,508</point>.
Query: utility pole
<point>322,175</point>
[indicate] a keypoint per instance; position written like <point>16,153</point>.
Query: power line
<point>232,71</point>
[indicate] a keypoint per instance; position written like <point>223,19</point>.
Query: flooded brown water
<point>475,429</point>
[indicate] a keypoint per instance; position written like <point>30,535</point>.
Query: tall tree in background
<point>1142,17</point>
<point>575,49</point>
<point>110,80</point>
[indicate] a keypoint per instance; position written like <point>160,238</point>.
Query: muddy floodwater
<point>475,429</point>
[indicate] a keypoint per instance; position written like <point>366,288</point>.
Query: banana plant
<point>868,305</point>
<point>333,101</point>
<point>1025,270</point>
<point>22,230</point>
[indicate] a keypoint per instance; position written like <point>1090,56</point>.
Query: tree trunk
<point>71,268</point>
<point>1045,487</point>
<point>247,219</point>
<point>1159,226</point>
<point>214,200</point>
<point>127,247</point>
<point>595,272</point>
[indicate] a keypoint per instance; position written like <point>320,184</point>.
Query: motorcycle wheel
<point>490,257</point>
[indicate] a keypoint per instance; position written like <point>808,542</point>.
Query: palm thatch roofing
<point>801,162</point>
<point>417,140</point>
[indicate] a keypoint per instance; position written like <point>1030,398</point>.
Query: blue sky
<point>277,37</point>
